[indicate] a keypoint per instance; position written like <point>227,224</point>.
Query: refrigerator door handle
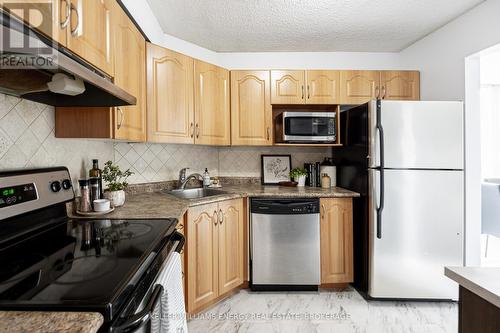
<point>380,131</point>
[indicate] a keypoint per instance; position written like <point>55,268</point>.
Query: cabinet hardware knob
<point>216,220</point>
<point>383,92</point>
<point>221,218</point>
<point>65,23</point>
<point>322,211</point>
<point>302,92</point>
<point>377,92</point>
<point>197,131</point>
<point>308,92</point>
<point>191,129</point>
<point>268,134</point>
<point>122,115</point>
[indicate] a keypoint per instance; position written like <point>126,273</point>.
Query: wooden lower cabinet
<point>336,241</point>
<point>215,252</point>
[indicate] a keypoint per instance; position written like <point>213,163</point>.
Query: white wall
<point>440,56</point>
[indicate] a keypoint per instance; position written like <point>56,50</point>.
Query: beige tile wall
<point>27,141</point>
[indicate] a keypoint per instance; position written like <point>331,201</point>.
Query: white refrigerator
<point>416,204</point>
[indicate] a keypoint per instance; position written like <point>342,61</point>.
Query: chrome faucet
<point>183,180</point>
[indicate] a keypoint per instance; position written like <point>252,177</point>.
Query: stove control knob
<point>55,186</point>
<point>66,184</point>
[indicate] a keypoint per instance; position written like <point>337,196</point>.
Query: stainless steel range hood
<point>25,70</point>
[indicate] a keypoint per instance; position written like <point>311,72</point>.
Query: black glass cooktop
<point>91,265</point>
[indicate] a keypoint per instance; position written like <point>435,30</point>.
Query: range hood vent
<point>25,71</point>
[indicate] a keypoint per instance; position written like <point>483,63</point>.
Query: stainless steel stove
<point>53,263</point>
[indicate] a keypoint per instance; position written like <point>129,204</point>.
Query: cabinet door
<point>251,113</point>
<point>323,87</point>
<point>336,240</point>
<point>170,115</point>
<point>231,245</point>
<point>358,87</point>
<point>400,85</point>
<point>130,75</point>
<point>211,104</point>
<point>182,230</point>
<point>50,17</point>
<point>202,256</point>
<point>287,87</point>
<point>89,34</point>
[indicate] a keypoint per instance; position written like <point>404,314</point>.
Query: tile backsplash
<point>27,140</point>
<point>157,162</point>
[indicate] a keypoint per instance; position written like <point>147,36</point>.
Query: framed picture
<point>275,169</point>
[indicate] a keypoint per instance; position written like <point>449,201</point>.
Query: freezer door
<point>418,135</point>
<point>422,227</point>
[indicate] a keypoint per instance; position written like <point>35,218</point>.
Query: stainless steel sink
<point>195,193</point>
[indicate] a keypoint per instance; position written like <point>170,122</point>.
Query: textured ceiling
<point>305,25</point>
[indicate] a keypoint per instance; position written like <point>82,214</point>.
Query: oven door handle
<point>181,239</point>
<point>139,319</point>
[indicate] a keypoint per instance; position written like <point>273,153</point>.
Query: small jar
<point>85,196</point>
<point>326,181</point>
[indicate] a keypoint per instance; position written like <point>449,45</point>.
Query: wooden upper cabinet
<point>358,87</point>
<point>202,256</point>
<point>322,87</point>
<point>212,112</point>
<point>89,34</point>
<point>130,75</point>
<point>231,245</point>
<point>58,11</point>
<point>251,112</point>
<point>336,240</point>
<point>170,115</point>
<point>287,87</point>
<point>400,85</point>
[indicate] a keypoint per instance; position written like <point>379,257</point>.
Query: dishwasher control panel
<point>280,206</point>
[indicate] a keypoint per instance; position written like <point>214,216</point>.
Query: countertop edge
<point>472,286</point>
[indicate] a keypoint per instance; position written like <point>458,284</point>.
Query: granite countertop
<point>55,322</point>
<point>482,281</point>
<point>150,205</point>
<point>161,204</point>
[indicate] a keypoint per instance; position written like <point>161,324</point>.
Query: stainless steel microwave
<point>306,127</point>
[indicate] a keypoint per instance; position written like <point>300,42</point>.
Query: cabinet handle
<point>216,219</point>
<point>191,129</point>
<point>122,115</point>
<point>322,211</point>
<point>268,134</point>
<point>308,92</point>
<point>377,92</point>
<point>75,31</point>
<point>197,131</point>
<point>221,216</point>
<point>383,92</point>
<point>65,23</point>
<point>302,92</point>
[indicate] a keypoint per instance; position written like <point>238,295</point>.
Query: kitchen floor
<point>326,311</point>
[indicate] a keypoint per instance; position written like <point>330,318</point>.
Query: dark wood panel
<point>476,314</point>
<point>78,122</point>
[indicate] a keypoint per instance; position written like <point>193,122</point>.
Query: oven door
<point>309,126</point>
<point>150,313</point>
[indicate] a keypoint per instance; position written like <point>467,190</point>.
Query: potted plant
<point>299,175</point>
<point>117,183</point>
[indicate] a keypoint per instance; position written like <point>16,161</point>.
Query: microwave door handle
<point>138,320</point>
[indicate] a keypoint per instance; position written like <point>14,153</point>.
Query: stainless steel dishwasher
<point>285,244</point>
